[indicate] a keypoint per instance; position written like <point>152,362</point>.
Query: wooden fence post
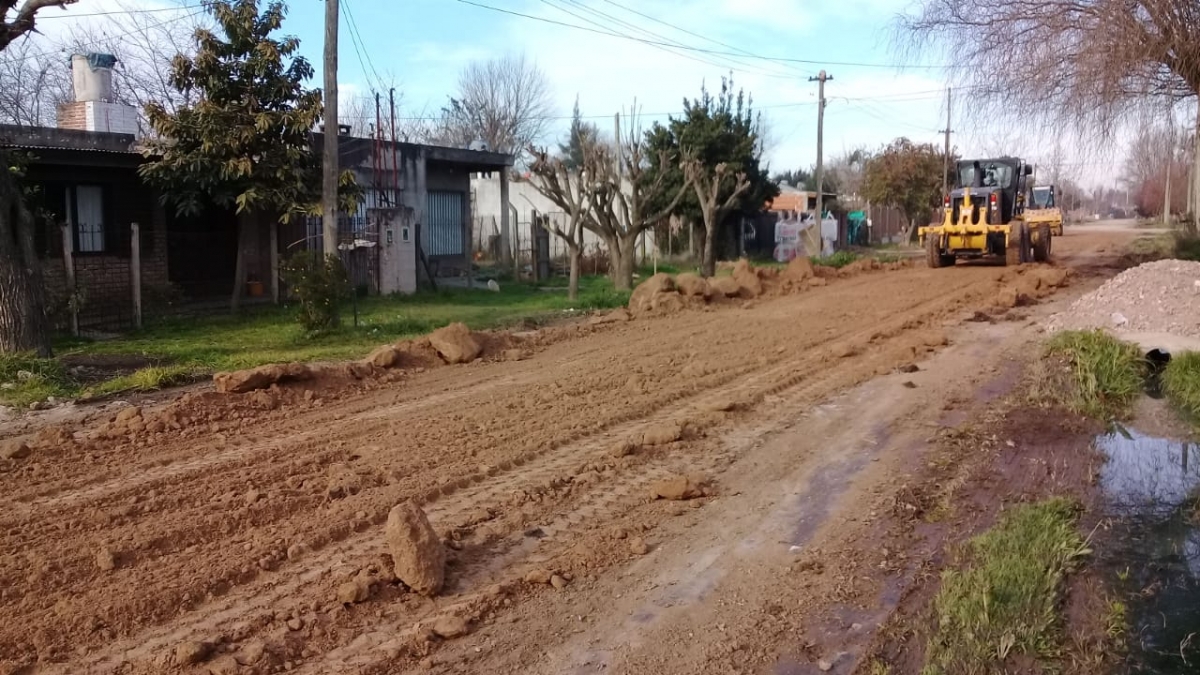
<point>69,265</point>
<point>135,272</point>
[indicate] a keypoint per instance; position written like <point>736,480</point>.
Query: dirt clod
<point>558,582</point>
<point>17,450</point>
<point>191,653</point>
<point>661,434</point>
<point>342,482</point>
<point>638,546</point>
<point>106,561</point>
<point>538,576</point>
<point>455,343</point>
<point>692,285</point>
<point>386,356</point>
<point>242,381</point>
<point>354,591</point>
<point>450,627</point>
<point>223,665</point>
<point>417,551</point>
<point>677,488</point>
<point>251,653</point>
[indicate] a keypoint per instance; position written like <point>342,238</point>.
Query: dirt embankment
<point>248,529</point>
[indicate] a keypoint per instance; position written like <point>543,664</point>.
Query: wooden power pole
<point>946,152</point>
<point>820,79</point>
<point>329,159</point>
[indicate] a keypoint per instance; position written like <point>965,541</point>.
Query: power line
<point>149,10</point>
<point>360,49</point>
<point>684,30</point>
<point>556,118</point>
<point>106,37</point>
<point>714,52</point>
<point>739,61</point>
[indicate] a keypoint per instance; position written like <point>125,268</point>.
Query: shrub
<point>319,284</point>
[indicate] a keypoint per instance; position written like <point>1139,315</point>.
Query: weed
<point>1187,245</point>
<point>149,379</point>
<point>837,259</point>
<point>1115,621</point>
<point>25,378</point>
<point>879,668</point>
<point>1005,600</point>
<point>1107,374</point>
<point>1181,384</point>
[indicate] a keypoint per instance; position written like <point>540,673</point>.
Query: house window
<point>85,214</point>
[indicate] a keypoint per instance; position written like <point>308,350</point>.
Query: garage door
<point>443,232</point>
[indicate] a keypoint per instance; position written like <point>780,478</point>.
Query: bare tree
<point>504,102</point>
<point>35,82</point>
<point>566,187</point>
<point>622,206</point>
<point>708,184</point>
<point>1092,64</point>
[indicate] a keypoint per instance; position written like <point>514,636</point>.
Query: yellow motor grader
<point>1043,208</point>
<point>984,217</point>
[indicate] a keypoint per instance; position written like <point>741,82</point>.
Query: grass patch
<point>1005,601</point>
<point>194,348</point>
<point>1181,384</point>
<point>837,259</point>
<point>1107,375</point>
<point>1187,245</point>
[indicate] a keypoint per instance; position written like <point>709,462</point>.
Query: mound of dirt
<point>455,343</point>
<point>1155,297</point>
<point>242,381</point>
<point>799,270</point>
<point>747,279</point>
<point>417,552</point>
<point>678,488</point>
<point>692,285</point>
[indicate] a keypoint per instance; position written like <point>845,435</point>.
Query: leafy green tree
<point>713,130</point>
<point>907,176</point>
<point>24,325</point>
<point>247,141</point>
<point>581,134</point>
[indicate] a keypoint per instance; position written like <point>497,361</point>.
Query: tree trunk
<point>709,266</point>
<point>239,267</point>
<point>574,254</point>
<point>623,255</point>
<point>1195,187</point>
<point>24,326</point>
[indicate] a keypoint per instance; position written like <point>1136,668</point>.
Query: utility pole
<point>820,79</point>
<point>946,153</point>
<point>1170,165</point>
<point>329,159</point>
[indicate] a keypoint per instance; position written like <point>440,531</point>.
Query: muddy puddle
<point>1152,490</point>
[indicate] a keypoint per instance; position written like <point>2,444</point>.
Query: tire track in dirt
<point>774,379</point>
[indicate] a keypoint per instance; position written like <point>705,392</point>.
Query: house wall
<point>104,278</point>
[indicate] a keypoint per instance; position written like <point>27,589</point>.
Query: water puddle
<point>1152,486</point>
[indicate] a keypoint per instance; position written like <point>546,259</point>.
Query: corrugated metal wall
<point>444,226</point>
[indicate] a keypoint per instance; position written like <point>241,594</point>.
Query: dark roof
<point>42,138</point>
<point>356,151</point>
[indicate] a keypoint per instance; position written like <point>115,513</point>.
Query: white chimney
<point>94,108</point>
<point>92,75</point>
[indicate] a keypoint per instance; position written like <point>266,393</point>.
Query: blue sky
<point>422,45</point>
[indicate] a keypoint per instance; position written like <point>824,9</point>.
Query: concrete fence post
<point>135,272</point>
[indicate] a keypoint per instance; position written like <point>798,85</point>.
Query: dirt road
<point>224,542</point>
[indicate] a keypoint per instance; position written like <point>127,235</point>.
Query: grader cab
<point>984,217</point>
<point>1042,207</point>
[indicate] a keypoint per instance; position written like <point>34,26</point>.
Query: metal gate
<point>443,233</point>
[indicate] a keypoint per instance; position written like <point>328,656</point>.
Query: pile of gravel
<point>1155,297</point>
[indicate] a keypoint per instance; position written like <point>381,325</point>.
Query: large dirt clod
<point>676,488</point>
<point>749,285</point>
<point>417,553</point>
<point>455,343</point>
<point>645,299</point>
<point>799,269</point>
<point>387,356</point>
<point>725,286</point>
<point>692,285</point>
<point>242,381</point>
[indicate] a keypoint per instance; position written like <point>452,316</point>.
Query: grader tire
<point>1041,247</point>
<point>933,253</point>
<point>1014,253</point>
